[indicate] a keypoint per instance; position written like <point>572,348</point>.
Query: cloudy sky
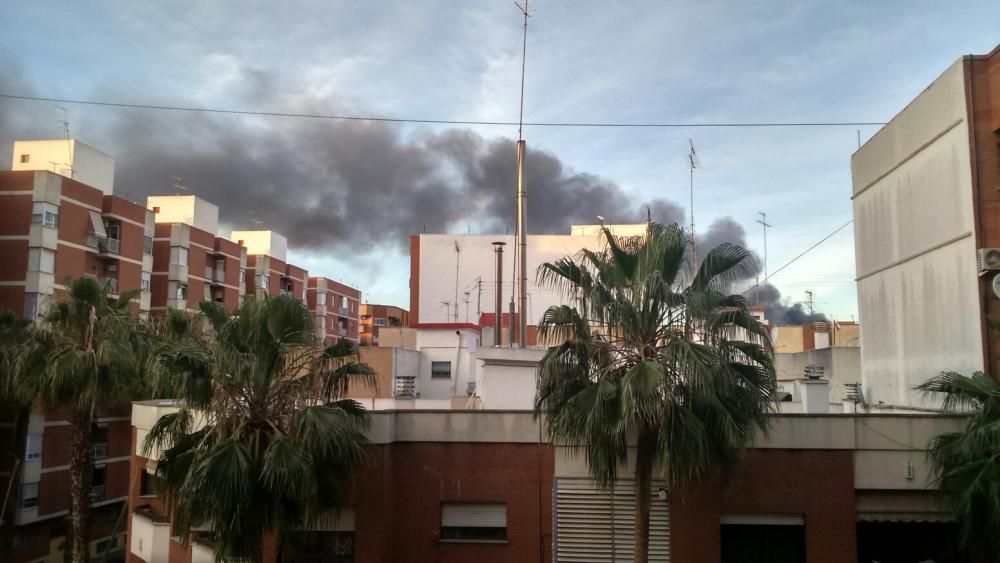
<point>349,193</point>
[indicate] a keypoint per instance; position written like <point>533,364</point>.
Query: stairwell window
<point>440,370</point>
<point>147,245</point>
<point>473,522</point>
<point>45,214</point>
<point>41,260</point>
<point>33,447</point>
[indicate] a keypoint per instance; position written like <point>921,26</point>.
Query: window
<point>149,485</point>
<point>34,305</point>
<point>182,291</point>
<point>343,302</point>
<point>41,260</point>
<point>179,256</point>
<point>25,158</point>
<point>263,281</point>
<point>45,214</point>
<point>100,478</point>
<point>441,370</point>
<point>33,447</point>
<point>321,299</point>
<point>147,245</point>
<point>144,282</point>
<point>208,292</point>
<point>379,322</point>
<point>321,324</point>
<point>474,522</point>
<point>29,495</point>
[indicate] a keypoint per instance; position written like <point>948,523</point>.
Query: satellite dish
<point>996,285</point>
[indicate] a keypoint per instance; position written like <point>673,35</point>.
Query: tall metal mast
<point>522,195</point>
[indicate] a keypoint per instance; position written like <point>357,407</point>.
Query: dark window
<point>474,522</point>
<point>147,245</point>
<point>441,370</point>
<point>319,547</point>
<point>149,485</point>
<point>763,543</point>
<point>25,158</point>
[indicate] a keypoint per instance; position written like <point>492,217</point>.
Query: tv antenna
<point>692,164</point>
<point>765,225</point>
<point>809,301</point>
<point>467,306</point>
<point>255,221</point>
<point>179,187</point>
<point>524,58</point>
<point>69,143</point>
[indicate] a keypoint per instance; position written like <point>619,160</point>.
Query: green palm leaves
<point>274,444</point>
<point>654,355</point>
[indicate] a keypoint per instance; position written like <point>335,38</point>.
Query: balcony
<point>109,245</point>
<point>341,331</point>
<point>405,387</point>
<point>219,275</point>
<point>342,311</point>
<point>100,451</point>
<point>94,240</point>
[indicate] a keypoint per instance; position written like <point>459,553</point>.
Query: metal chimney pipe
<point>522,244</point>
<point>498,309</point>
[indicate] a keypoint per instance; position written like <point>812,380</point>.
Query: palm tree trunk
<point>81,471</point>
<point>645,450</point>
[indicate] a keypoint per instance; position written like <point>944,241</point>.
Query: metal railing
<point>405,387</point>
<point>109,245</point>
<point>100,451</point>
<point>94,240</point>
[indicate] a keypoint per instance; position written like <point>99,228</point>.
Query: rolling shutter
<point>470,515</point>
<point>598,526</point>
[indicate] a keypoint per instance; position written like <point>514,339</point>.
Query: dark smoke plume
<point>342,187</point>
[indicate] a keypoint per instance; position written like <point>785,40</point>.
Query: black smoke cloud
<point>335,186</point>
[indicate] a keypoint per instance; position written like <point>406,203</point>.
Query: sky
<point>349,193</point>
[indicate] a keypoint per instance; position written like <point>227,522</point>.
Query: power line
<point>193,109</point>
<point>806,251</point>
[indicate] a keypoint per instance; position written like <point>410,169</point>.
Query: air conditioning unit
<point>988,259</point>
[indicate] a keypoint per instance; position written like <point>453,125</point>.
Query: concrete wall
<point>188,209</point>
<point>268,243</point>
<point>72,159</point>
<point>476,261</point>
<point>841,365</point>
<point>914,246</point>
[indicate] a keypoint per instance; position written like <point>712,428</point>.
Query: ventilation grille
<point>584,532</point>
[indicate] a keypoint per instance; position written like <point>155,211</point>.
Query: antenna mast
<point>69,143</point>
<point>521,248</point>
<point>458,258</point>
<point>692,164</point>
<point>763,222</point>
<point>809,300</point>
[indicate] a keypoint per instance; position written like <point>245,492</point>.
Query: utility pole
<point>763,222</point>
<point>809,301</point>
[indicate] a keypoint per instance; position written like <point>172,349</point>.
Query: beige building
<point>925,227</point>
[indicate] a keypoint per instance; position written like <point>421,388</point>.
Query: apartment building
<point>489,486</point>
<point>375,317</point>
<point>927,236</point>
<point>59,219</point>
<point>267,269</point>
<point>336,308</point>
<point>191,263</point>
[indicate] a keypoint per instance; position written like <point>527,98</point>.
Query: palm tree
<point>81,357</point>
<point>15,330</point>
<point>681,372</point>
<point>264,442</point>
<point>966,464</point>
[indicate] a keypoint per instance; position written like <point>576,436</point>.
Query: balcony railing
<point>97,493</point>
<point>100,451</point>
<point>208,272</point>
<point>109,245</point>
<point>405,387</point>
<point>94,240</point>
<point>341,331</point>
<point>219,275</point>
<point>343,311</point>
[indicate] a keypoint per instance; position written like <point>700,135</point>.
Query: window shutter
<point>598,526</point>
<point>468,515</point>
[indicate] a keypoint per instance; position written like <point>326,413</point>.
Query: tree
<point>683,373</point>
<point>263,442</point>
<point>83,356</point>
<point>15,331</point>
<point>966,464</point>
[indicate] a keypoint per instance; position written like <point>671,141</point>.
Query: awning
<point>97,224</point>
<point>902,506</point>
<point>905,517</point>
